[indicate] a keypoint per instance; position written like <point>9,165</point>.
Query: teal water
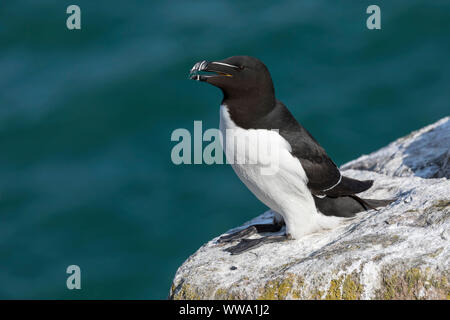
<point>86,118</point>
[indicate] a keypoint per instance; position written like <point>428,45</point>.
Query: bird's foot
<point>247,244</point>
<point>253,229</point>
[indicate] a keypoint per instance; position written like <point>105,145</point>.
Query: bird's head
<point>235,76</point>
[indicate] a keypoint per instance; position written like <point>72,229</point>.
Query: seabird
<point>307,192</point>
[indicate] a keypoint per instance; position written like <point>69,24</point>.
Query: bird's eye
<point>241,67</point>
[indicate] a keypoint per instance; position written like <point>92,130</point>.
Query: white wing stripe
<point>339,181</point>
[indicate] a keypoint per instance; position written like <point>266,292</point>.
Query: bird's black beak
<point>218,68</point>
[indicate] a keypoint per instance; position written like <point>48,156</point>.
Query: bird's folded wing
<point>348,186</point>
<point>324,177</point>
<point>321,171</point>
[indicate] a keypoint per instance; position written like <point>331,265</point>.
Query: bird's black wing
<point>324,177</point>
<point>321,171</point>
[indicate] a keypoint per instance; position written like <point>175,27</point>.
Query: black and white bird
<point>307,191</point>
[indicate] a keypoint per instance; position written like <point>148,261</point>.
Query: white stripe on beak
<point>225,64</point>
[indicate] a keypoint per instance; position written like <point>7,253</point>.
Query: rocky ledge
<point>399,252</point>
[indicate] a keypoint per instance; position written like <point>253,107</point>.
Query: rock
<point>399,252</point>
<point>424,153</point>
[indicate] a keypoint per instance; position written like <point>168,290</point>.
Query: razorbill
<point>306,190</point>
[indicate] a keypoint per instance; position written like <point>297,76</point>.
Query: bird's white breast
<point>276,178</point>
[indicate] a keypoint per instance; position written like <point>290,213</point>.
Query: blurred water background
<point>86,118</point>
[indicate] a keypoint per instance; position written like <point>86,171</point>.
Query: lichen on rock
<point>399,252</point>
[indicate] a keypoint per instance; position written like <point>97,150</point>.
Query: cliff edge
<point>399,252</point>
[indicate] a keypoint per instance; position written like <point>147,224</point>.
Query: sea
<point>87,115</point>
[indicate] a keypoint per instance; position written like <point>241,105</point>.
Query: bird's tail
<point>348,206</point>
